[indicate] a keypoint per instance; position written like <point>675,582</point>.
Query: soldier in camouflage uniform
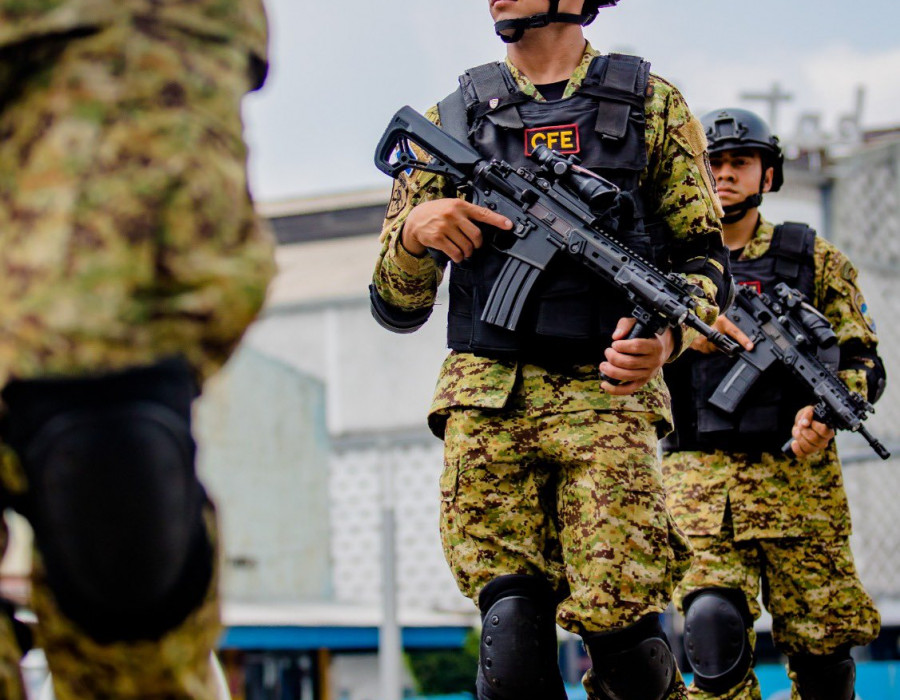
<point>131,265</point>
<point>552,505</point>
<point>752,514</point>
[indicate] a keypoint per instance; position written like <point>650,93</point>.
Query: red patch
<point>756,284</point>
<point>562,139</point>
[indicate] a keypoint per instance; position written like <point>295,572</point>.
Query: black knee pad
<point>519,657</point>
<point>825,677</point>
<point>716,625</point>
<point>114,498</point>
<point>633,663</point>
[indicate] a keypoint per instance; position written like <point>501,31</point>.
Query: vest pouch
<point>462,299</point>
<point>563,306</point>
<point>711,423</point>
<point>760,419</point>
<point>470,286</point>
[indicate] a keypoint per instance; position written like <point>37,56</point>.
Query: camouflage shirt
<point>776,496</point>
<point>240,22</point>
<point>680,186</point>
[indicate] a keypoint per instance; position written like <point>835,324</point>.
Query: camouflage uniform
<point>127,236</point>
<point>783,521</point>
<point>545,473</point>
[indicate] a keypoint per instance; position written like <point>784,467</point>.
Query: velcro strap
<point>492,90</point>
<point>620,82</point>
<point>792,244</point>
<point>452,111</point>
<point>612,121</point>
<point>498,106</point>
<point>622,72</point>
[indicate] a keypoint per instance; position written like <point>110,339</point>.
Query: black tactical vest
<point>570,314</point>
<point>763,421</point>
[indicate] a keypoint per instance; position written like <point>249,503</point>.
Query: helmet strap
<point>736,212</point>
<point>521,24</point>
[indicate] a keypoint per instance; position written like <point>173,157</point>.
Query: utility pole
<point>774,98</point>
<point>390,645</point>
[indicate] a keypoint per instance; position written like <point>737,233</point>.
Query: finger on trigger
<point>485,215</point>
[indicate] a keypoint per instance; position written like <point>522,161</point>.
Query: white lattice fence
<point>356,496</point>
<point>866,225</point>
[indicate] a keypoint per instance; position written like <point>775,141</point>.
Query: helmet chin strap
<point>736,212</point>
<point>520,25</point>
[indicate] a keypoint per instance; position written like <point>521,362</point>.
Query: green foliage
<point>446,671</point>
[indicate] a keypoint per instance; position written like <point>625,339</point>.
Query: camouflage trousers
<point>809,585</point>
<point>127,235</point>
<point>574,498</point>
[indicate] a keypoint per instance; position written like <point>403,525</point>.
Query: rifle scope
<point>598,193</point>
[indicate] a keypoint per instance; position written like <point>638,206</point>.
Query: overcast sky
<point>341,68</point>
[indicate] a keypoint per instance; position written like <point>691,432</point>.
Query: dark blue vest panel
<point>570,314</point>
<point>764,419</point>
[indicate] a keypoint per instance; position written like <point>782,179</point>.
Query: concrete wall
<point>264,455</point>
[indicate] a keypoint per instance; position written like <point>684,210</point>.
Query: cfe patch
<point>756,284</point>
<point>562,139</point>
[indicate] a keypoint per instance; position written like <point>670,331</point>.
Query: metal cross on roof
<point>774,98</point>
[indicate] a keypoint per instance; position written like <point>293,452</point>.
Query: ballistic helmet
<point>731,129</point>
<point>520,24</point>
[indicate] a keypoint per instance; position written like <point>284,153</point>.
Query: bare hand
<point>724,325</point>
<point>636,361</point>
<point>448,225</point>
<point>810,436</point>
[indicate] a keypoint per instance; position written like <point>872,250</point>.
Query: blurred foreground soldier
<point>553,509</point>
<point>752,513</point>
<point>130,264</point>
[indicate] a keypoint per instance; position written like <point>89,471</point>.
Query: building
<point>313,438</point>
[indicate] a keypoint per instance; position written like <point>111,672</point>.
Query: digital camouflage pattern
<point>771,495</point>
<point>236,22</point>
<point>781,519</point>
<point>545,473</point>
<point>768,495</point>
<point>812,591</point>
<point>575,498</point>
<point>127,234</point>
<point>679,183</point>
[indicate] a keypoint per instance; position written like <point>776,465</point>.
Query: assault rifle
<point>789,331</point>
<point>557,207</point>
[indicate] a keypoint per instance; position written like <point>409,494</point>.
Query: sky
<point>340,69</point>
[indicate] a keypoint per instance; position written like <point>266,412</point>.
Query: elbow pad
<point>855,355</point>
<point>395,319</point>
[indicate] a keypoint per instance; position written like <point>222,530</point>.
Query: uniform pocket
<point>449,481</point>
<point>648,554</point>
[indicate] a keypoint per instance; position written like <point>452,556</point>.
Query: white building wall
<point>264,456</point>
<point>377,388</point>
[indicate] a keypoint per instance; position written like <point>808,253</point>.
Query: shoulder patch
<point>693,136</point>
<point>399,197</point>
<point>848,272</point>
<point>863,308</point>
